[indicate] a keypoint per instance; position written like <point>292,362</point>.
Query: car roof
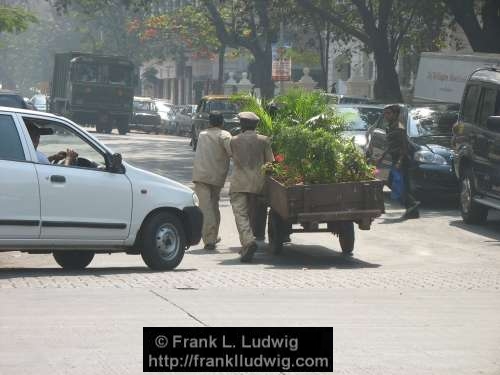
<point>487,74</point>
<point>23,111</point>
<point>346,105</point>
<point>216,97</point>
<point>9,92</point>
<point>143,99</point>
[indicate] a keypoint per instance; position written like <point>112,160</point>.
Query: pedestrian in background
<point>398,149</point>
<point>250,151</point>
<point>211,164</point>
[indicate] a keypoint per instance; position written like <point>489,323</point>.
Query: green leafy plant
<point>307,151</point>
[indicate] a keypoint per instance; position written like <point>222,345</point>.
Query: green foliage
<point>310,152</point>
<point>301,105</point>
<point>185,29</point>
<point>258,106</point>
<point>35,47</point>
<point>15,19</point>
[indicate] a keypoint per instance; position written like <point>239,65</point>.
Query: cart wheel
<point>275,232</point>
<point>346,237</point>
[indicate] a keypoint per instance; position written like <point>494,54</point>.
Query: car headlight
<point>196,201</point>
<point>429,157</point>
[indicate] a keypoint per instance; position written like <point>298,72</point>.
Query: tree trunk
<point>220,83</point>
<point>387,83</point>
<point>263,73</point>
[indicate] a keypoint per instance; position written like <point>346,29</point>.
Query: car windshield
<point>164,107</point>
<point>429,122</point>
<point>223,106</point>
<point>119,75</point>
<point>360,118</point>
<point>144,106</point>
<point>10,101</point>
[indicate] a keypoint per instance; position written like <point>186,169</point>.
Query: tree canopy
<point>15,19</point>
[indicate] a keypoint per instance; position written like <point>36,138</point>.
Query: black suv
<point>476,140</point>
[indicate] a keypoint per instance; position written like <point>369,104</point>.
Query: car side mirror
<point>493,124</point>
<point>115,163</point>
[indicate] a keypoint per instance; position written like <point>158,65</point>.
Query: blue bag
<point>397,184</point>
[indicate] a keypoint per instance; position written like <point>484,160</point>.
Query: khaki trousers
<point>246,210</point>
<point>209,196</point>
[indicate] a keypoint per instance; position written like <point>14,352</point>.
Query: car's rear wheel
<point>123,129</point>
<point>163,241</point>
<point>73,259</point>
<point>472,212</point>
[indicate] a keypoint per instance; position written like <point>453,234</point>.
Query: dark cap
<point>248,117</point>
<point>394,108</point>
<point>37,130</point>
<point>215,119</point>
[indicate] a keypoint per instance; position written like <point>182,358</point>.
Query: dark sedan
<point>145,116</point>
<point>429,130</point>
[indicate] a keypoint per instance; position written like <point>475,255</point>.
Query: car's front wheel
<point>472,212</point>
<point>163,241</point>
<point>73,259</point>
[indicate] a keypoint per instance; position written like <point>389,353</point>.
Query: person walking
<point>250,151</point>
<point>211,164</point>
<point>398,149</point>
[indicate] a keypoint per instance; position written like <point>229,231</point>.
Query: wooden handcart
<point>338,206</point>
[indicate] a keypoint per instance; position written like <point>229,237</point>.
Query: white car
<point>98,205</point>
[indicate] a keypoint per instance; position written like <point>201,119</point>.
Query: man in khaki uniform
<point>250,152</point>
<point>211,164</point>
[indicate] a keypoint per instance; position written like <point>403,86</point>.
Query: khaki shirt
<point>211,161</point>
<point>250,152</point>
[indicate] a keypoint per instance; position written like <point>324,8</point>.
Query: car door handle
<point>58,179</point>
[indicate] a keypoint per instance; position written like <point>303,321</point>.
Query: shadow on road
<point>302,256</point>
<point>490,230</point>
<point>12,273</point>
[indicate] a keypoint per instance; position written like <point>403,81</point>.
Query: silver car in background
<point>166,110</point>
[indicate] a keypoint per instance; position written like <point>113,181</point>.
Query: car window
<point>164,107</point>
<point>11,101</point>
<point>488,105</point>
<point>85,72</point>
<point>119,75</point>
<point>428,122</point>
<point>10,143</point>
<point>470,103</point>
<point>222,106</point>
<point>360,118</point>
<point>63,138</point>
<point>144,106</point>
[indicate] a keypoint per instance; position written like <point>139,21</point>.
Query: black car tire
<point>73,259</point>
<point>346,237</point>
<point>163,241</point>
<point>472,212</point>
<point>123,129</point>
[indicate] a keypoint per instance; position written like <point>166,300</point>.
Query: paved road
<point>418,297</point>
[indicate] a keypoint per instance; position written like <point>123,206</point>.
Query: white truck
<point>441,77</point>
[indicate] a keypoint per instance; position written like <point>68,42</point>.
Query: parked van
<point>94,204</point>
<point>476,139</point>
<point>442,77</point>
